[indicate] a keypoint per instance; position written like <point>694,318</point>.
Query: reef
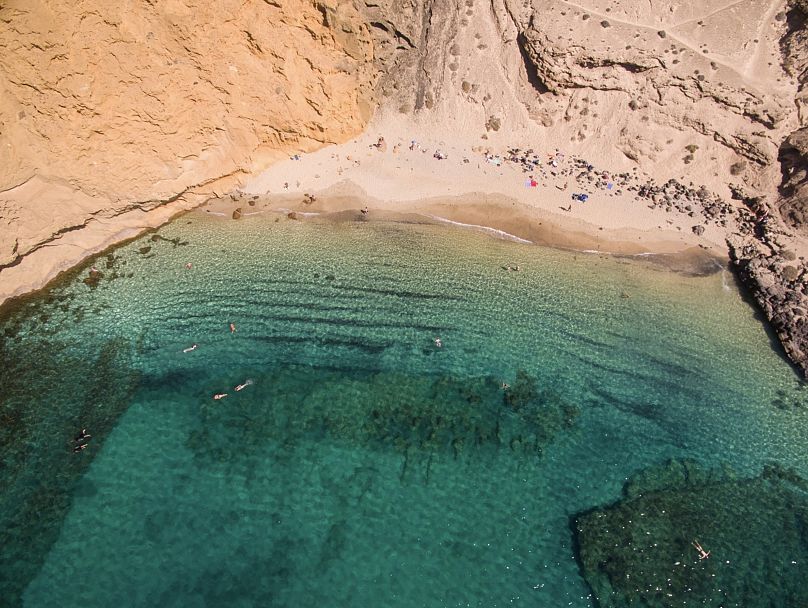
<point>417,416</point>
<point>642,550</point>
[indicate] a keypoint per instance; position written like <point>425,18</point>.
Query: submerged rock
<point>641,551</point>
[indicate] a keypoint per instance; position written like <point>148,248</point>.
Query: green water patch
<point>364,464</point>
<point>685,535</point>
<point>41,465</point>
<point>414,415</point>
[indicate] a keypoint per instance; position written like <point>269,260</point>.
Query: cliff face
<point>677,88</point>
<point>108,108</point>
<point>793,203</point>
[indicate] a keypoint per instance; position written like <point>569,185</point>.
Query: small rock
<point>698,229</point>
<point>237,214</point>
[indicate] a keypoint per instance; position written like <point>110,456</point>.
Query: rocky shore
<point>776,279</point>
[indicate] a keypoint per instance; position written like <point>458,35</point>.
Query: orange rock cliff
<point>114,116</point>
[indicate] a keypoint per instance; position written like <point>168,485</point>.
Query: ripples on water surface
<point>367,467</point>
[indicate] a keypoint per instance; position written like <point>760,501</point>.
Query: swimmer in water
<point>190,348</point>
<point>82,436</point>
<point>505,386</point>
<point>438,342</point>
<point>702,553</point>
<point>241,387</point>
<point>188,266</point>
<point>232,328</point>
<point>79,448</point>
<point>218,396</point>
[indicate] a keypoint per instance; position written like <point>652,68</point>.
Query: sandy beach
<point>473,187</point>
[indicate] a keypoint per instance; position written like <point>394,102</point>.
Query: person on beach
<point>188,266</point>
<point>364,210</point>
<point>232,328</point>
<point>218,396</point>
<point>702,553</point>
<point>190,348</point>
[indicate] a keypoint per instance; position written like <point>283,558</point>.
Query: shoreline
<point>668,256</point>
<point>671,255</point>
<point>491,212</point>
<point>470,185</point>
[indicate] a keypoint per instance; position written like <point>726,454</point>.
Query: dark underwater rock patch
<point>640,551</point>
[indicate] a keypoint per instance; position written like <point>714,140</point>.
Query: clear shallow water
<point>364,466</point>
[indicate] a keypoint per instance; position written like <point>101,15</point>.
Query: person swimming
<point>190,348</point>
<point>82,436</point>
<point>246,383</point>
<point>702,553</point>
<point>438,342</point>
<point>232,328</point>
<point>218,396</point>
<point>80,447</point>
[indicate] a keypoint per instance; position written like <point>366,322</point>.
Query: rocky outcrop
<point>776,278</point>
<point>793,204</point>
<point>768,264</point>
<point>656,74</point>
<point>111,109</point>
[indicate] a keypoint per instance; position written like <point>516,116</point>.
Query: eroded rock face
<point>109,107</point>
<point>777,281</point>
<point>793,202</point>
<point>669,67</point>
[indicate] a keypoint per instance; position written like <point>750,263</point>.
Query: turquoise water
<point>364,465</point>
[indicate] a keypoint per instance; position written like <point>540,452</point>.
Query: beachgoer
<point>246,383</point>
<point>702,553</point>
<point>438,342</point>
<point>80,447</point>
<point>82,435</point>
<point>505,386</point>
<point>364,210</point>
<point>285,185</point>
<point>190,348</point>
<point>218,396</point>
<point>232,328</point>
